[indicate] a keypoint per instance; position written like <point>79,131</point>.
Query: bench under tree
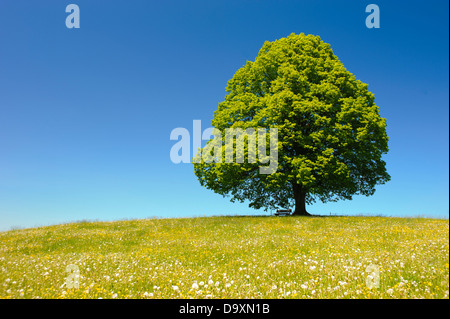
<point>283,212</point>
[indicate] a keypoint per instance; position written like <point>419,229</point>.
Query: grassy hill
<point>229,257</point>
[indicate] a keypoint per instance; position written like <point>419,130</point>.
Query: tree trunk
<point>300,204</point>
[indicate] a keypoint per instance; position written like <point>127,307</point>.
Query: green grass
<point>229,257</point>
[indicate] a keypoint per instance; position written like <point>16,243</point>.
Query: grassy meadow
<point>229,257</point>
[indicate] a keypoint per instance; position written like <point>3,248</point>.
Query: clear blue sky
<point>86,113</point>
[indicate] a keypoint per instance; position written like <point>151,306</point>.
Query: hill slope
<point>229,257</point>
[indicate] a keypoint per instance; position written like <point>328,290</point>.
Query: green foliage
<point>331,137</point>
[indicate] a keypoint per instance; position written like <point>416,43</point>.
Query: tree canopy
<point>331,137</point>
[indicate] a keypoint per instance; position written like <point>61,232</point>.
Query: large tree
<point>331,137</point>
